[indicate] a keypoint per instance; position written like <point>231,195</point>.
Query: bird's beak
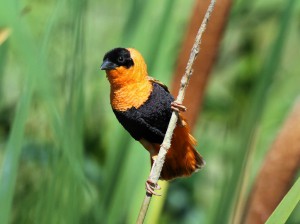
<point>108,65</point>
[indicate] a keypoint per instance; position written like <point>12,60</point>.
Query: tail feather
<point>182,158</point>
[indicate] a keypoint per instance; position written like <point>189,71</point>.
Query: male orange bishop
<point>144,106</point>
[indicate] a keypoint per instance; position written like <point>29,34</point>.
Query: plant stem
<point>158,164</point>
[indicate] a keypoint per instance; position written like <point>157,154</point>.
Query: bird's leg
<point>181,122</point>
<point>175,106</point>
<point>150,186</point>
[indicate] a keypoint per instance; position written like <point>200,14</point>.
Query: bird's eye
<point>121,59</point>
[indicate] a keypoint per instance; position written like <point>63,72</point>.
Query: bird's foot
<point>175,106</point>
<point>178,107</point>
<point>151,187</point>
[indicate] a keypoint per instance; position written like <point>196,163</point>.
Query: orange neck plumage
<point>130,87</point>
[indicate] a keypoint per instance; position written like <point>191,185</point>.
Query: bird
<point>143,105</point>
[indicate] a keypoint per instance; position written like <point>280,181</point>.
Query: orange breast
<point>130,95</point>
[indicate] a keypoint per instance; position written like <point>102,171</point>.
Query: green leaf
<point>286,206</point>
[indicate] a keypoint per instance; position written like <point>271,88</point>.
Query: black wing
<point>133,121</point>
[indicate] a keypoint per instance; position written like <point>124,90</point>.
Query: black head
<point>115,58</point>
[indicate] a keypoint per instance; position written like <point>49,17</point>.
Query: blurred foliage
<point>64,157</point>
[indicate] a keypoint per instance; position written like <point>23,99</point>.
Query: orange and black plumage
<point>143,106</point>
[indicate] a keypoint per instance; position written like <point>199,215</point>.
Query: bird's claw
<point>178,107</point>
<point>150,187</point>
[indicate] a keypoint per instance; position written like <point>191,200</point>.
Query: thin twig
<point>158,164</point>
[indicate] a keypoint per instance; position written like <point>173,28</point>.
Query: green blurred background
<point>65,159</point>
